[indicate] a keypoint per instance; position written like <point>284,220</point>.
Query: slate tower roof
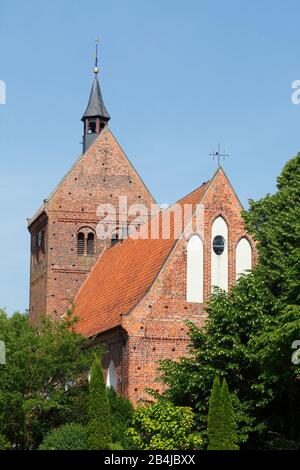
<point>96,106</point>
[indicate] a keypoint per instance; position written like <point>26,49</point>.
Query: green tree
<point>70,436</point>
<point>163,426</point>
<point>274,222</point>
<point>249,332</point>
<point>39,386</point>
<point>99,422</point>
<point>231,437</point>
<point>215,430</point>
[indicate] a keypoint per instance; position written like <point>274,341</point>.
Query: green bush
<point>121,416</point>
<point>99,424</point>
<point>163,426</point>
<point>67,437</point>
<point>4,444</point>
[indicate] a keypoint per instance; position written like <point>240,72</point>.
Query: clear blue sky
<point>177,77</point>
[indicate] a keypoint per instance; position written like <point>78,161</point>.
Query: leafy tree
<point>67,437</point>
<point>279,375</point>
<point>39,386</point>
<point>121,415</point>
<point>99,423</point>
<point>274,222</point>
<point>249,332</point>
<point>163,426</point>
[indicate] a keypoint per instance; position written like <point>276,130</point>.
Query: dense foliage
<point>4,444</point>
<point>39,387</point>
<point>163,426</point>
<point>250,331</point>
<point>70,436</point>
<point>99,422</point>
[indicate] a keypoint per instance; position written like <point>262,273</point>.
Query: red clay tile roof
<point>123,275</point>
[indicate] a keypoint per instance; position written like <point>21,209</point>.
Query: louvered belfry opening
<point>80,244</point>
<point>90,244</point>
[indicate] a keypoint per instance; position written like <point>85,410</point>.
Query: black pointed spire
<point>96,107</point>
<point>96,115</point>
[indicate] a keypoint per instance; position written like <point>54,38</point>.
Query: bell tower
<point>64,241</point>
<point>96,116</point>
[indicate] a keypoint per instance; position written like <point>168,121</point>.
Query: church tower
<point>64,242</point>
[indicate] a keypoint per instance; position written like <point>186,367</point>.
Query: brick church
<point>132,293</point>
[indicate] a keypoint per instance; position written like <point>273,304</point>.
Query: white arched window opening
<point>243,257</point>
<point>194,277</point>
<point>111,381</point>
<point>219,254</point>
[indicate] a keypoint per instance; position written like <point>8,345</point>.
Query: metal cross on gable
<point>218,154</point>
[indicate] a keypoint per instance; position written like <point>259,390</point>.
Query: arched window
<point>111,380</point>
<point>243,257</point>
<point>90,249</point>
<point>194,276</point>
<point>80,244</point>
<point>86,242</point>
<point>219,254</point>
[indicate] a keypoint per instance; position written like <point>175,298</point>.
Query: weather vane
<point>219,155</point>
<point>96,68</point>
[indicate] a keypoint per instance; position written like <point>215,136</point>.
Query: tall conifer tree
<point>99,424</point>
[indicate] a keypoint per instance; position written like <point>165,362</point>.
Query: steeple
<point>96,116</point>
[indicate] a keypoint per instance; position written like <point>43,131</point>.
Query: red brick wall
<point>102,175</point>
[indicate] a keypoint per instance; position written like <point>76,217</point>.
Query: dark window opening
<point>115,239</point>
<point>41,241</point>
<point>92,127</point>
<point>80,244</point>
<point>90,244</point>
<point>102,125</point>
<point>218,245</point>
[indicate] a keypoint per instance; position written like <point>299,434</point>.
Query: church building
<point>133,294</point>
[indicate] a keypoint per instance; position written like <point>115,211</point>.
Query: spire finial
<point>96,68</point>
<point>218,154</point>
